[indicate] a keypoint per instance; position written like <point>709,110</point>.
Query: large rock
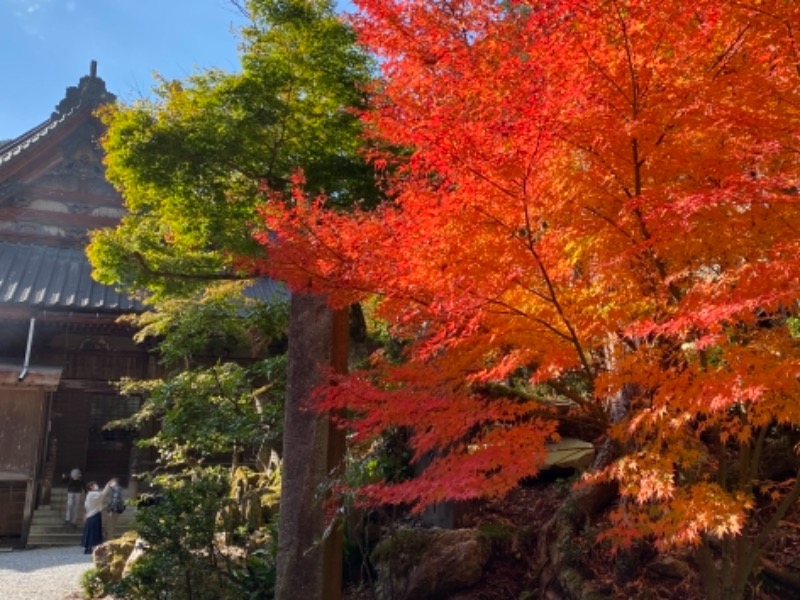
<point>670,567</point>
<point>111,557</point>
<point>140,548</point>
<point>429,564</point>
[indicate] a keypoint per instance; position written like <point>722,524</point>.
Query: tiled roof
<point>14,148</point>
<point>267,291</point>
<point>55,278</point>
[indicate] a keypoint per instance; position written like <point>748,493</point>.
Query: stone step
<point>66,537</point>
<point>54,539</point>
<point>52,519</point>
<point>42,528</point>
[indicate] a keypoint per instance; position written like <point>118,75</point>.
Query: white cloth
<point>96,500</point>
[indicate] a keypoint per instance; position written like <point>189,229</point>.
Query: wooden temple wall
<point>22,414</point>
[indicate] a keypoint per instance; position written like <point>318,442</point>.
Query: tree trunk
<point>305,454</point>
<point>560,575</point>
<point>333,549</point>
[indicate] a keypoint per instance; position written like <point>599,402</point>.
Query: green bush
<point>91,584</point>
<point>189,555</point>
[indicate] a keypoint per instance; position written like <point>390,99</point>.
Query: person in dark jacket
<point>114,508</point>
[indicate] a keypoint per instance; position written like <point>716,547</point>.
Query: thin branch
<point>510,309</point>
<point>608,220</point>
<point>724,57</point>
<point>630,62</point>
<point>183,276</point>
<point>573,335</point>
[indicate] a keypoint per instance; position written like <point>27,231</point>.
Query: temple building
<point>61,347</point>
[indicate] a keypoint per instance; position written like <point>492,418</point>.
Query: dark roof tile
<point>55,278</point>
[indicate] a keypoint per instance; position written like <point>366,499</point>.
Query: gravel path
<point>42,574</point>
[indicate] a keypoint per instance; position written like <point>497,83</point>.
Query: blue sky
<point>48,45</point>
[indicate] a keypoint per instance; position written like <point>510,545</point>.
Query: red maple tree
<point>597,209</point>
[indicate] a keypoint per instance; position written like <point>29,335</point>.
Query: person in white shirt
<point>94,503</point>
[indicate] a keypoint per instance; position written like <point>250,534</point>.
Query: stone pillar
<point>305,449</point>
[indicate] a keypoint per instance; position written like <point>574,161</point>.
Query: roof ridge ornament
<point>90,91</point>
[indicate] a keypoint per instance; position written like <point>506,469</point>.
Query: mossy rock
<point>110,557</point>
<point>424,564</point>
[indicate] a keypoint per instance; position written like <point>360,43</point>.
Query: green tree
<point>196,164</point>
<point>210,411</point>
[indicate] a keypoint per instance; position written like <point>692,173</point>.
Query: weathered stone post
<point>307,567</point>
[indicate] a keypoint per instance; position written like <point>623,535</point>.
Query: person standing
<point>93,526</point>
<point>115,507</point>
<point>75,489</point>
